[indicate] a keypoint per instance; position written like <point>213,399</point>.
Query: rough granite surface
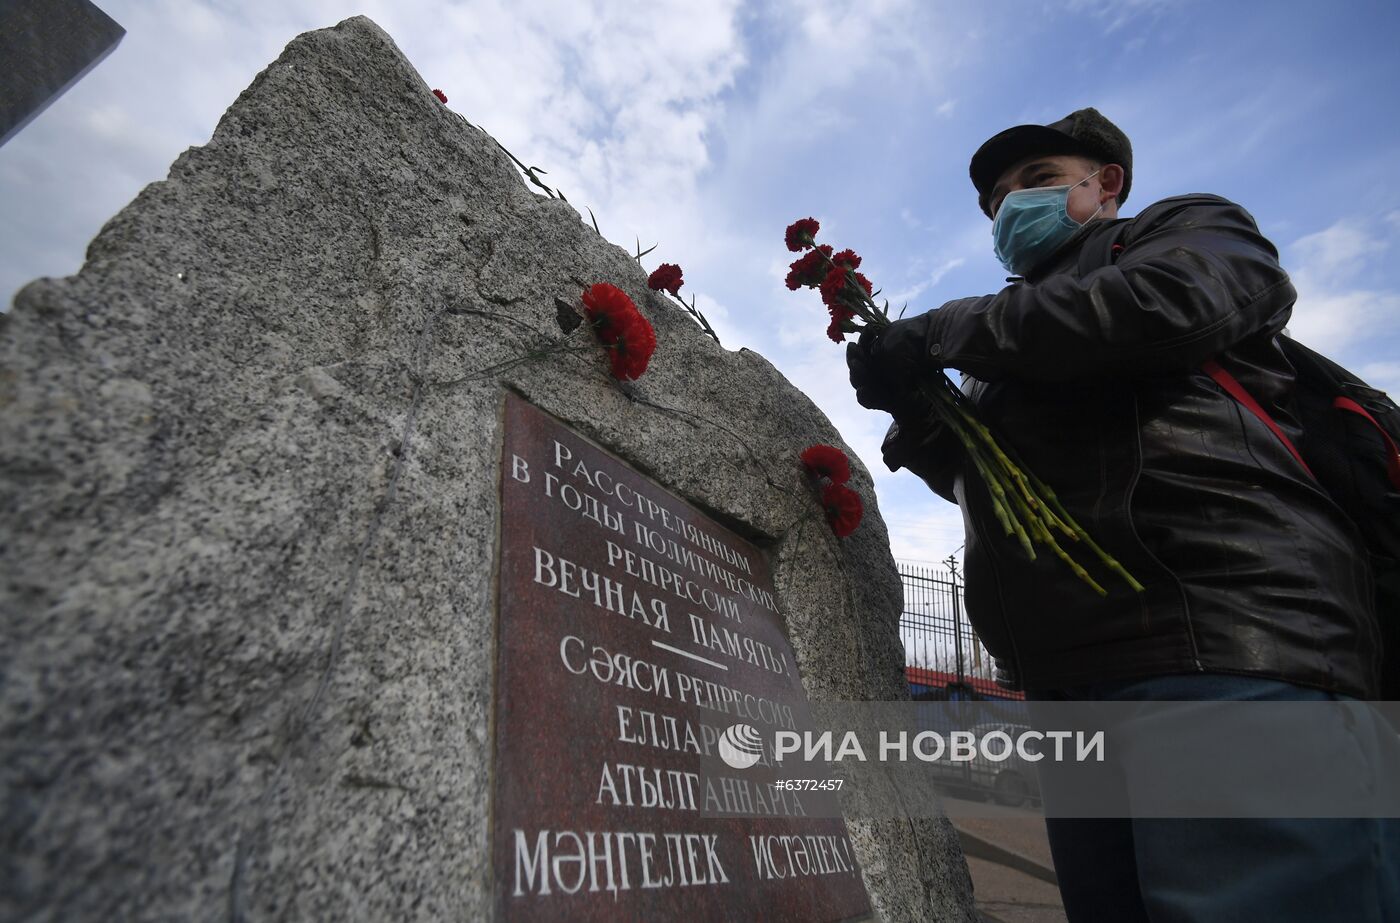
<point>249,482</point>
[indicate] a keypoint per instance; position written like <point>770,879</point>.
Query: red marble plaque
<point>633,632</point>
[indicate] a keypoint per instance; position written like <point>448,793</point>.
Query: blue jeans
<point>1226,870</point>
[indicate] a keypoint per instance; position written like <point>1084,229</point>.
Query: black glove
<point>886,366</point>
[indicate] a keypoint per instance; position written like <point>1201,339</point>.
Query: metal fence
<point>940,647</point>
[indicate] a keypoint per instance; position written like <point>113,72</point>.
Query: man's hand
<point>886,367</point>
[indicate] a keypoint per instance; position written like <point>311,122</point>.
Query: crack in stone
<point>753,456</point>
<point>481,293</point>
<point>358,781</point>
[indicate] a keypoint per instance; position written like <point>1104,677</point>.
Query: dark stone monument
<point>46,46</point>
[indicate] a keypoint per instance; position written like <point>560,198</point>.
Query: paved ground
<point>1007,895</point>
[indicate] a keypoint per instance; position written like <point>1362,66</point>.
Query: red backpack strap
<point>1236,390</point>
<point>1392,460</point>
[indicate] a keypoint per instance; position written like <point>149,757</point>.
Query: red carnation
<point>440,95</point>
<point>836,330</point>
<point>800,234</point>
<point>668,277</point>
<point>843,508</point>
<point>833,285</point>
<point>609,310</point>
<point>808,268</point>
<point>827,461</point>
<point>620,325</point>
<point>847,259</point>
<point>632,350</point>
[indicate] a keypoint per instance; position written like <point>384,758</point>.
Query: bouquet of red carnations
<point>1024,505</point>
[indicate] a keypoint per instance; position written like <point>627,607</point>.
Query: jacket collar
<point>1065,258</point>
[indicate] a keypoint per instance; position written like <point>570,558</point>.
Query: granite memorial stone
<point>289,632</point>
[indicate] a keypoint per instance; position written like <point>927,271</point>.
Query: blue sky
<point>708,127</point>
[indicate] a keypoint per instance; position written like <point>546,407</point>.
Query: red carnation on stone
<point>800,234</point>
<point>843,509</point>
<point>621,326</point>
<point>827,461</point>
<point>632,350</point>
<point>609,310</point>
<point>809,268</point>
<point>666,277</point>
<point>440,95</point>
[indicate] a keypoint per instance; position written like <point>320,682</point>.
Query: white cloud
<point>1331,321</point>
<point>1333,312</point>
<point>1383,375</point>
<point>617,105</point>
<point>1339,251</point>
<point>928,534</point>
<point>1115,14</point>
<point>799,320</point>
<point>860,34</point>
<point>896,299</point>
<point>721,321</point>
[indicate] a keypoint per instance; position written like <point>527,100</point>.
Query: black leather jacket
<point>1090,368</point>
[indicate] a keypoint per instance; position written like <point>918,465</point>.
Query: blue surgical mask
<point>1031,224</point>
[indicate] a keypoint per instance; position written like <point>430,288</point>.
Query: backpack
<point>1350,436</point>
<point>1349,445</point>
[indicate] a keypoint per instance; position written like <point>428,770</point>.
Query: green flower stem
<point>696,313</point>
<point>1039,516</point>
<point>1022,503</point>
<point>976,453</point>
<point>1108,560</point>
<point>1079,571</point>
<point>1054,509</point>
<point>1018,476</point>
<point>986,466</point>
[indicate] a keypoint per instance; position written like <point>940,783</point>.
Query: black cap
<point>1083,132</point>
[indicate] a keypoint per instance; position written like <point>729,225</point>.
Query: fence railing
<point>940,647</point>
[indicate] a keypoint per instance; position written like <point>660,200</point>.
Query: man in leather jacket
<point>1089,363</point>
